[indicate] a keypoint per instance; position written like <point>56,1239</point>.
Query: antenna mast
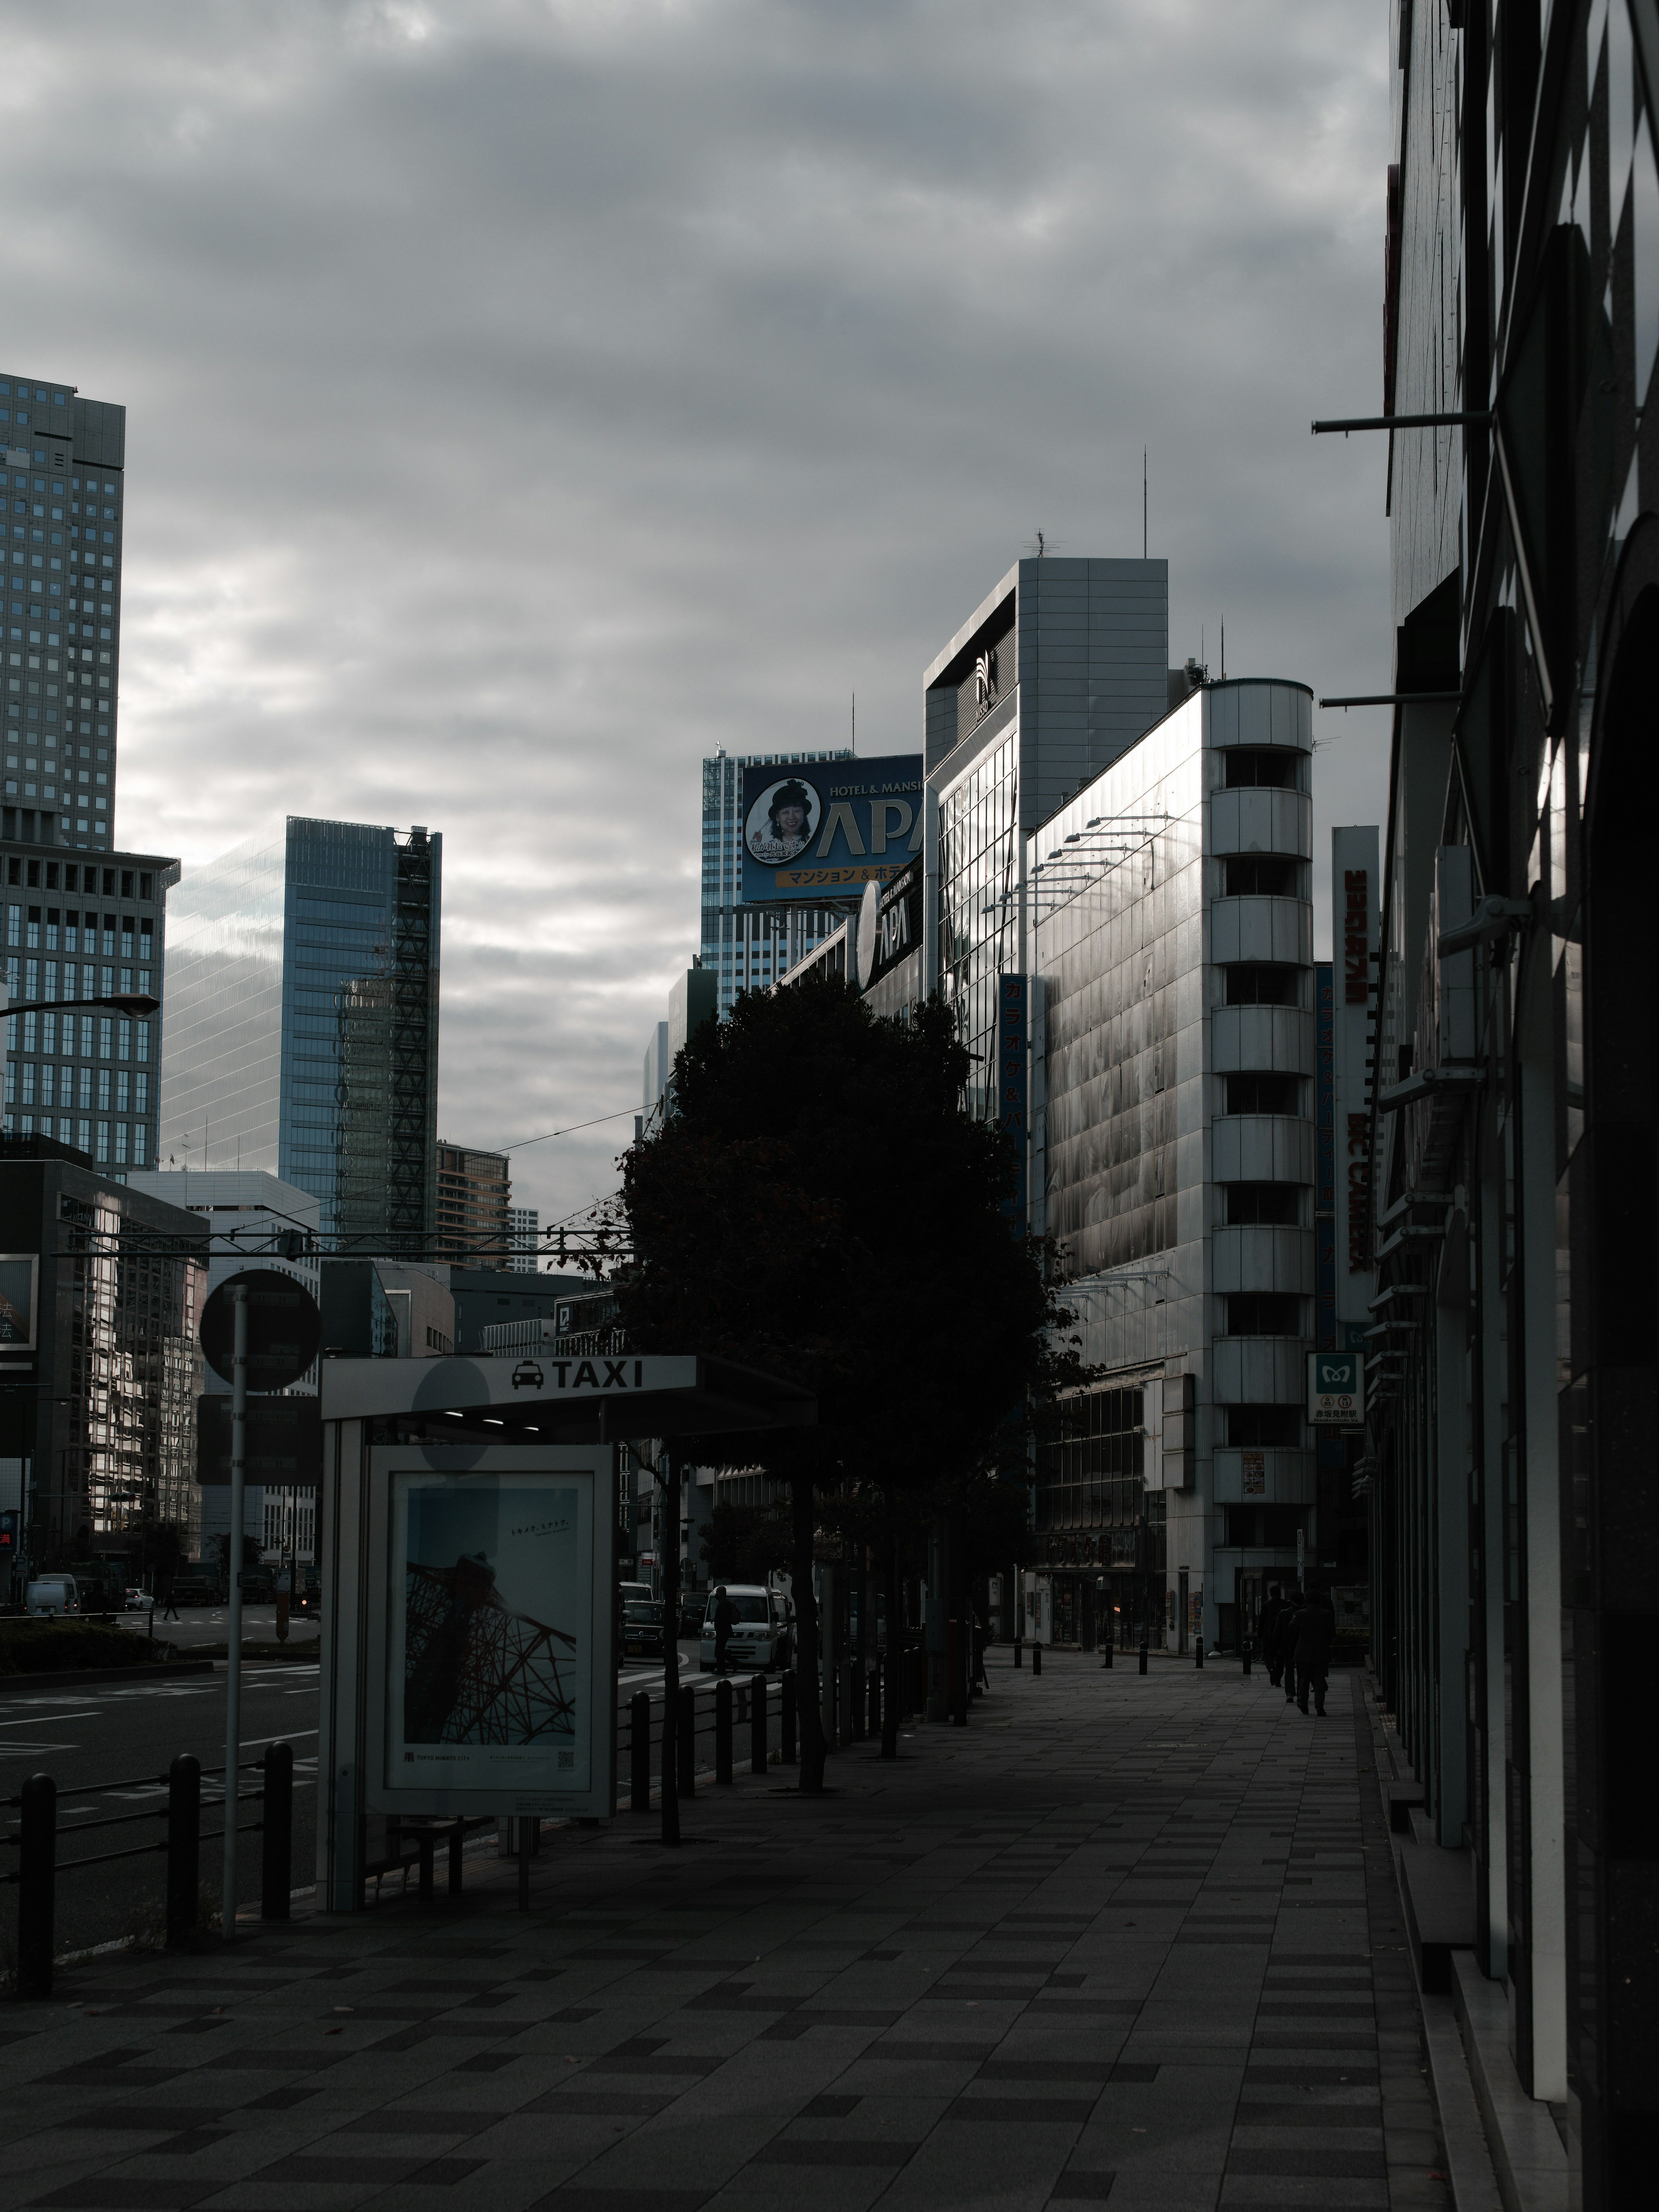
<point>1143,502</point>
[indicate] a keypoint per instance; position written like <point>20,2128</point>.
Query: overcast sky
<point>526,396</point>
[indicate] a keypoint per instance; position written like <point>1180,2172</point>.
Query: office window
<point>125,1041</point>
<point>1248,769</point>
<point>1252,984</point>
<point>103,1091</point>
<point>1279,1426</point>
<point>85,1137</point>
<point>48,1084</point>
<point>1259,875</point>
<point>143,1042</point>
<point>102,1153</point>
<point>86,1092</point>
<point>1256,1091</point>
<point>1264,1313</point>
<point>123,1082</point>
<point>28,1083</point>
<point>106,1035</point>
<point>140,1094</point>
<point>1249,1204</point>
<point>140,1145</point>
<point>120,1144</point>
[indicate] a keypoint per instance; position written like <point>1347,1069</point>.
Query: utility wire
<point>525,1143</point>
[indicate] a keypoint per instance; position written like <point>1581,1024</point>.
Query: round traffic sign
<point>284,1328</point>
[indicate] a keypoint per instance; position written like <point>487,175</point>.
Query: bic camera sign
<point>1336,1389</point>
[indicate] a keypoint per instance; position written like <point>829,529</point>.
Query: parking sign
<point>1336,1389</point>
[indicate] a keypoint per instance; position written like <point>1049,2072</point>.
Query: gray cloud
<point>526,399</point>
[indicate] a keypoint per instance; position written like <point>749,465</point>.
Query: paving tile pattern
<point>1124,1941</point>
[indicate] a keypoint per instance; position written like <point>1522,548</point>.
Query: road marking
<point>40,1720</point>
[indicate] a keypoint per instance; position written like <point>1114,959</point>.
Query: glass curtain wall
<point>979,907</point>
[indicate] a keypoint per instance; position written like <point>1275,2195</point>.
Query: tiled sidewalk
<point>1124,1940</point>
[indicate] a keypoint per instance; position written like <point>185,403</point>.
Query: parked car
<point>642,1633</point>
<point>52,1595</point>
<point>627,1592</point>
<point>760,1635</point>
<point>139,1601</point>
<point>691,1610</point>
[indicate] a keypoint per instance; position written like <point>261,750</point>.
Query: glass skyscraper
<point>301,1030</point>
<point>62,476</point>
<point>746,946</point>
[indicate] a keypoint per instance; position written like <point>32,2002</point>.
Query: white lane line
<point>41,1720</point>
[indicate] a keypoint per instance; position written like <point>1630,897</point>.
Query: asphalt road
<point>125,1734</point>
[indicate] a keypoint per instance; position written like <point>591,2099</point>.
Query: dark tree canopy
<point>819,1206</point>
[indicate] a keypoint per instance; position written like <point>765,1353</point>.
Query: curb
<point>72,1677</point>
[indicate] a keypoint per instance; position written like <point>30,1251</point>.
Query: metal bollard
<point>722,1731</point>
<point>185,1847</point>
<point>875,1700</point>
<point>1244,1649</point>
<point>1106,1650</point>
<point>786,1750</point>
<point>1019,1649</point>
<point>1199,1653</point>
<point>686,1762</point>
<point>639,1749</point>
<point>37,1885</point>
<point>759,1698</point>
<point>1036,1658</point>
<point>456,1841</point>
<point>276,1836</point>
<point>1142,1654</point>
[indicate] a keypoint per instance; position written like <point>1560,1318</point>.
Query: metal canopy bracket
<point>1424,1082</point>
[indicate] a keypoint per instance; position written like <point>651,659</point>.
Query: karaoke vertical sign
<point>1356,900</point>
<point>1014,1083</point>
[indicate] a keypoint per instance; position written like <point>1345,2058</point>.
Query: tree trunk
<point>893,1673</point>
<point>808,1710</point>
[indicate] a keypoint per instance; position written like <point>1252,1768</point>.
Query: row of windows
<point>144,928</point>
<point>115,1039</point>
<point>22,506</point>
<point>42,1084</point>
<point>76,877</point>
<point>119,1145</point>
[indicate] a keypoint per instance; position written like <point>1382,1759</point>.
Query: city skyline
<point>506,504</point>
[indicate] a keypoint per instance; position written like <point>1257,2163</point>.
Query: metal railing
<point>35,1839</point>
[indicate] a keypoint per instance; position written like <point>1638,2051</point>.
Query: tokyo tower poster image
<point>492,1642</point>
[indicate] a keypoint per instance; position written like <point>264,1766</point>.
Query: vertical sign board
<point>1014,1081</point>
<point>491,1630</point>
<point>1324,1158</point>
<point>1356,892</point>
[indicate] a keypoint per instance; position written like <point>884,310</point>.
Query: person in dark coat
<point>1316,1633</point>
<point>1266,1632</point>
<point>725,1620</point>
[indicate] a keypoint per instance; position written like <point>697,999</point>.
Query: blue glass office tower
<point>302,1021</point>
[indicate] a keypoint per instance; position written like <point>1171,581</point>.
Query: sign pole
<point>233,1611</point>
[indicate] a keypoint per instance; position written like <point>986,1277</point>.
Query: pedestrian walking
<point>980,1683</point>
<point>171,1612</point>
<point>1266,1632</point>
<point>725,1617</point>
<point>1316,1633</point>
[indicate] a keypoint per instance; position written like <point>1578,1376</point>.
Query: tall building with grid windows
<point>62,471</point>
<point>301,1032</point>
<point>746,947</point>
<point>474,1189</point>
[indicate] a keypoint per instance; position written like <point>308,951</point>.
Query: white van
<point>760,1634</point>
<point>52,1594</point>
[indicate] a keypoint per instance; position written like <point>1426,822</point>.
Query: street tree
<point>817,1204</point>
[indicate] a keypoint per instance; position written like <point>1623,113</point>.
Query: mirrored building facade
<point>302,1031</point>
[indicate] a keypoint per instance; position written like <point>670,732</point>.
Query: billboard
<point>822,829</point>
<point>496,1636</point>
<point>20,1276</point>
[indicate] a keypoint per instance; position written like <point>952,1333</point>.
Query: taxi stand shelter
<point>448,1685</point>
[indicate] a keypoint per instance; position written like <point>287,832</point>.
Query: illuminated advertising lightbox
<point>822,829</point>
<point>496,1635</point>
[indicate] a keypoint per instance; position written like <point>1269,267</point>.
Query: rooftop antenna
<point>1143,502</point>
<point>1223,648</point>
<point>1040,545</point>
<point>856,721</point>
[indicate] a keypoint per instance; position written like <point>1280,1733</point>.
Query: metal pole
<point>36,1878</point>
<point>668,1569</point>
<point>233,1610</point>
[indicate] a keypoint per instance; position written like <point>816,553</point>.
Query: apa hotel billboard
<point>822,829</point>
